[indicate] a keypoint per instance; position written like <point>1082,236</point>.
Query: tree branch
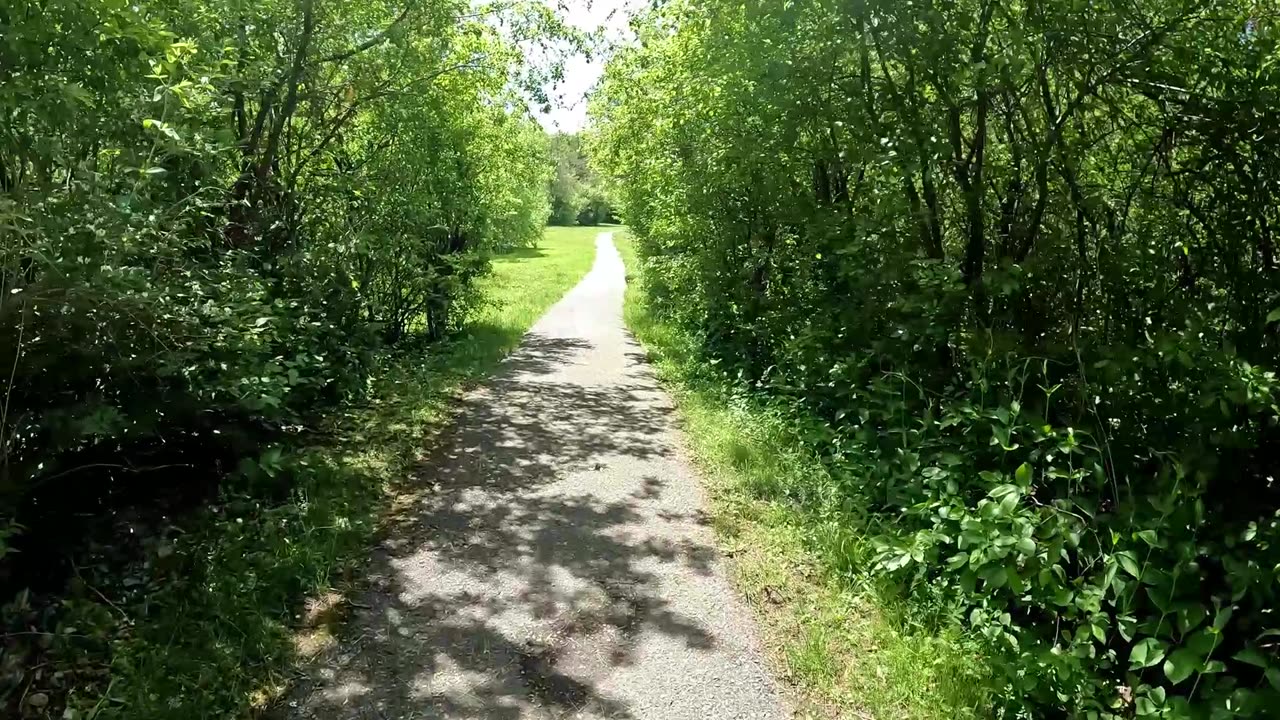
<point>378,38</point>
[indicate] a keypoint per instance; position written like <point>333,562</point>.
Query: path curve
<point>558,564</point>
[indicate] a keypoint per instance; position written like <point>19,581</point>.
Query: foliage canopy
<point>578,195</point>
<point>1013,267</point>
<point>213,215</point>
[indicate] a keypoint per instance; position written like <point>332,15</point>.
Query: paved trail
<point>559,566</point>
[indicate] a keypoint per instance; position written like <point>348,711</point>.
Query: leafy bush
<point>1012,269</point>
<point>213,217</point>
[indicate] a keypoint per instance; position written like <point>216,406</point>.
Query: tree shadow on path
<point>519,567</point>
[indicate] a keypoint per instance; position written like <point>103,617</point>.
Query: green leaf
<point>1273,316</point>
<point>1273,677</point>
<point>1144,706</point>
<point>1023,475</point>
<point>995,576</point>
<point>897,561</point>
<point>1202,642</point>
<point>1251,656</point>
<point>1128,562</point>
<point>1147,652</point>
<point>1150,537</point>
<point>1181,665</point>
<point>1001,436</point>
<point>1189,617</point>
<point>1026,546</point>
<point>1001,491</point>
<point>1222,618</point>
<point>1126,625</point>
<point>1008,503</point>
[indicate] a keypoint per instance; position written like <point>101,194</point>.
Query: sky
<point>569,105</point>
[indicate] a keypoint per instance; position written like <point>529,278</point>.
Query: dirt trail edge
<point>558,564</point>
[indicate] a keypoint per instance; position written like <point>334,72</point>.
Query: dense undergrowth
<point>845,644</point>
<point>1009,270</point>
<point>208,617</point>
<point>219,220</point>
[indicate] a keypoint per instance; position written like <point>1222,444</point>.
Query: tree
<point>1015,262</point>
<point>578,194</point>
<point>215,215</point>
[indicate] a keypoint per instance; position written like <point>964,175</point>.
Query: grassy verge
<point>221,609</point>
<point>845,646</point>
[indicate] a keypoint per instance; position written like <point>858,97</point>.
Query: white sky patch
<point>569,96</point>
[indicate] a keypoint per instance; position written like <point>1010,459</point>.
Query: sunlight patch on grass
<point>526,282</point>
<point>415,394</point>
<point>841,646</point>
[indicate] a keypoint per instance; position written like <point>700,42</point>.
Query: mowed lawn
<point>525,283</point>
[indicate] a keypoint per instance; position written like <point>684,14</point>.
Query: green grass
<point>848,650</point>
<point>526,282</point>
<point>254,585</point>
<point>523,285</point>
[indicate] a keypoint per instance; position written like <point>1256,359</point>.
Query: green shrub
<point>214,218</point>
<point>1010,268</point>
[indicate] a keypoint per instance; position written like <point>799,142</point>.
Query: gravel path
<point>557,564</point>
